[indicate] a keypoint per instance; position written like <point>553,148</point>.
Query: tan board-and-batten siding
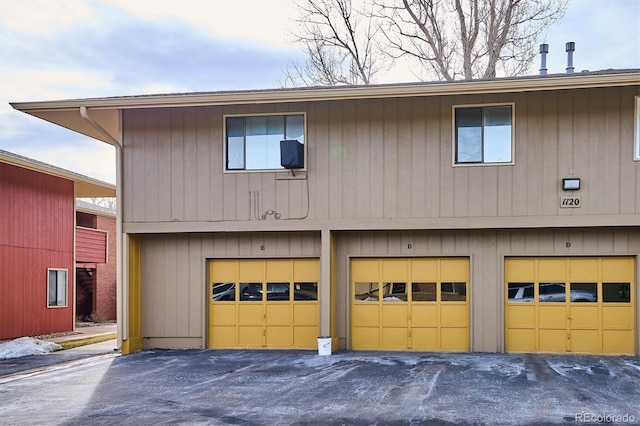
<point>369,160</point>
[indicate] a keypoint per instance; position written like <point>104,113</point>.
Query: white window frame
<point>275,114</point>
<point>58,292</point>
<point>636,130</point>
<point>454,141</point>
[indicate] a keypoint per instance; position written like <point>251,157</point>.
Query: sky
<point>70,49</point>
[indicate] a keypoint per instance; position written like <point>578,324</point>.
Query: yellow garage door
<point>418,304</point>
<point>263,303</point>
<point>577,305</point>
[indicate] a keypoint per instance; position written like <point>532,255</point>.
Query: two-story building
<point>496,215</point>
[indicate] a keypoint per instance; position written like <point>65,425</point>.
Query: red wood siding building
<point>37,218</point>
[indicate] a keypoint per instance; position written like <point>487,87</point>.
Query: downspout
<point>122,301</point>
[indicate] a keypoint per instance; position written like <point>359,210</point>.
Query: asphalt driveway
<point>345,388</point>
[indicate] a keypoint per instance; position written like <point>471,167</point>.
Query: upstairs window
<point>57,287</point>
<point>484,134</point>
<point>253,142</point>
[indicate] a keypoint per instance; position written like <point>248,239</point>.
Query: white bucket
<point>324,345</point>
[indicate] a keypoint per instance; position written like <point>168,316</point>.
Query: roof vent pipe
<point>544,49</point>
<point>570,47</point>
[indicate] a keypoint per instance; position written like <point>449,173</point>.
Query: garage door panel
<point>454,339</point>
<point>553,340</point>
<point>222,337</point>
<point>424,315</point>
<point>395,338</point>
<point>394,314</point>
<point>553,270</point>
<point>305,337</point>
<point>583,269</point>
<point>521,340</point>
<point>306,270</point>
<point>456,269</point>
<point>365,338</point>
<point>395,270</point>
<point>618,342</point>
<point>278,314</point>
<point>250,314</point>
<point>424,270</point>
<point>365,314</point>
<point>617,269</point>
<point>585,341</point>
<point>521,316</point>
<point>424,338</point>
<point>306,314</point>
<point>585,317</point>
<point>620,317</point>
<point>553,316</point>
<point>250,271</point>
<point>223,314</point>
<point>250,337</point>
<point>518,270</point>
<point>224,271</point>
<point>365,270</point>
<point>278,270</point>
<point>278,336</point>
<point>454,315</point>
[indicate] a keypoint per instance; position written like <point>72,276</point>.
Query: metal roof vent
<point>570,48</point>
<point>544,49</point>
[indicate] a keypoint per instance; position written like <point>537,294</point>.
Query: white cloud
<point>264,21</point>
<point>42,16</point>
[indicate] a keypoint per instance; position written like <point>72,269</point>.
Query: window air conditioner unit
<point>291,154</point>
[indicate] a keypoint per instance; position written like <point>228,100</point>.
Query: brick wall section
<point>105,297</point>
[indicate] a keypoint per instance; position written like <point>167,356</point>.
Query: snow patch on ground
<point>25,346</point>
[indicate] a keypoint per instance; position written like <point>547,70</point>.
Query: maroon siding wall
<point>105,297</point>
<point>36,233</point>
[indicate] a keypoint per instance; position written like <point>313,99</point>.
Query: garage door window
<point>423,292</point>
<point>520,292</point>
<point>366,292</point>
<point>453,292</point>
<point>583,292</point>
<point>616,292</point>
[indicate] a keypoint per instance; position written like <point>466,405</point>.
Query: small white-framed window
<point>252,142</point>
<point>483,134</point>
<point>637,130</point>
<point>57,288</point>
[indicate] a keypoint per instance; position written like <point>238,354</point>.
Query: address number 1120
<point>569,202</point>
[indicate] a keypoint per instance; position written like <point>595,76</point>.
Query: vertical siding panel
<point>433,161</point>
<point>534,167</point>
<point>204,181</point>
<point>350,161</point>
<point>377,160</point>
<point>612,151</point>
<point>599,157</point>
<point>216,164</point>
<point>163,184</point>
<point>147,194</point>
<point>630,170</point>
<point>390,166</point>
<point>336,153</point>
<point>320,143</point>
<point>405,183</point>
<point>243,212</point>
<point>550,167</point>
<point>363,160</point>
<point>581,149</point>
<point>190,165</point>
<point>418,159</point>
<point>446,195</point>
<point>566,142</point>
<point>177,177</point>
<point>183,286</point>
<point>519,183</point>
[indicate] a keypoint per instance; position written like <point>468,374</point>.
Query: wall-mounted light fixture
<point>571,184</point>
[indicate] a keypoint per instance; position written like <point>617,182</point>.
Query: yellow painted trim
<point>134,341</point>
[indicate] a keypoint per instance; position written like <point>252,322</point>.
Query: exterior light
<point>571,184</point>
